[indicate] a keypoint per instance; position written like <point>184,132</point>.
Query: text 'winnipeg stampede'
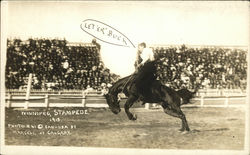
<point>56,112</point>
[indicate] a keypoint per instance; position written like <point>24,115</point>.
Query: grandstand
<point>57,64</point>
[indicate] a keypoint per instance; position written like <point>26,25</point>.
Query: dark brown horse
<point>168,98</point>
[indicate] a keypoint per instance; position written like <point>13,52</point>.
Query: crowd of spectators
<point>211,67</point>
<point>54,64</point>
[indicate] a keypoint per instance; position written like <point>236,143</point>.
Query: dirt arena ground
<point>211,128</point>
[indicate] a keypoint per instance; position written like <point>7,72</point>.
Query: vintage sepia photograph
<point>124,77</point>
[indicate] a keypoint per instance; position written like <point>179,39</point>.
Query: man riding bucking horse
<point>143,86</point>
<point>145,73</point>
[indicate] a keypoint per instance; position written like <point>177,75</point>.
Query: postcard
<point>124,77</point>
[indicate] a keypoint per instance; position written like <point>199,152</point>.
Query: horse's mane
<point>117,87</point>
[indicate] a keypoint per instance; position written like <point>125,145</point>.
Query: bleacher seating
<point>54,64</point>
<point>202,67</point>
<point>57,64</point>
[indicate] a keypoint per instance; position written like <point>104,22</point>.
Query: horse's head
<point>113,103</point>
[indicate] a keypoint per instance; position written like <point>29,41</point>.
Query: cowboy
<point>145,70</point>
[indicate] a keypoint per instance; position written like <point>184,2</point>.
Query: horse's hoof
<point>134,117</point>
<point>184,129</point>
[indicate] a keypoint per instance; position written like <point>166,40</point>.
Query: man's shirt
<point>147,54</point>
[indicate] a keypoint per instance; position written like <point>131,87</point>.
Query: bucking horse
<point>168,98</point>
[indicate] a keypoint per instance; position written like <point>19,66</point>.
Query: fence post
<point>28,92</point>
<point>147,106</point>
<point>226,101</point>
<point>202,100</point>
<point>47,100</point>
<point>9,102</point>
<point>221,92</point>
<point>83,98</point>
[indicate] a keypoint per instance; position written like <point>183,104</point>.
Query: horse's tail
<point>186,95</point>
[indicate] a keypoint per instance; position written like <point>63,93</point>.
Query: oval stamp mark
<point>105,33</point>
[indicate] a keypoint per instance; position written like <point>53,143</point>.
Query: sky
<point>191,23</point>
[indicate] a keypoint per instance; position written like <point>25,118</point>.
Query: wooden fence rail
<point>99,101</point>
